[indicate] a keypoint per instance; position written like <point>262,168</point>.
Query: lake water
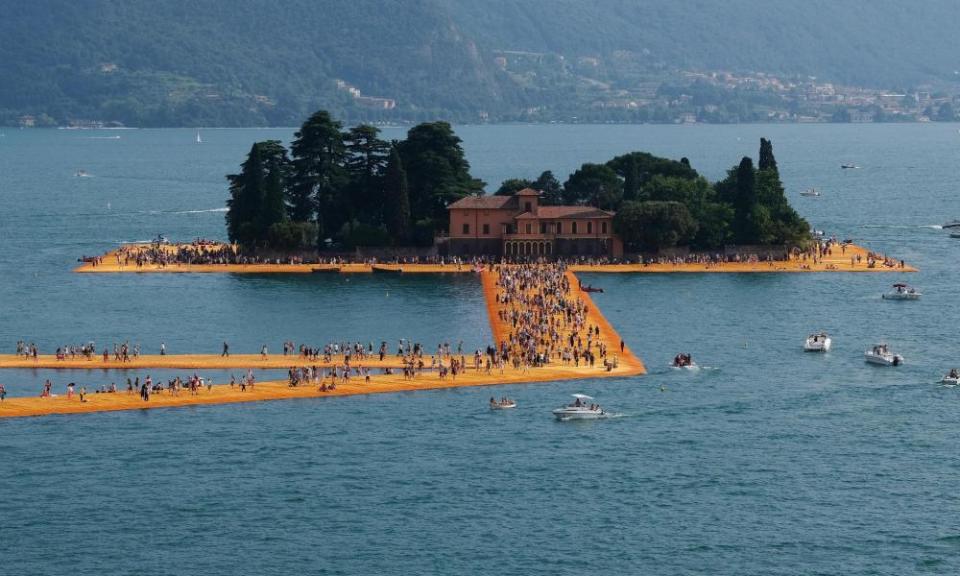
<point>769,461</point>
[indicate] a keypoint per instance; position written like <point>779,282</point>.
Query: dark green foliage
<point>349,187</point>
<point>766,160</point>
<point>319,173</point>
<point>437,170</point>
<point>397,201</point>
<point>258,195</point>
<point>654,225</point>
<point>513,185</point>
<point>551,191</point>
<point>594,185</point>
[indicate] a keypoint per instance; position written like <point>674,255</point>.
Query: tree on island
<point>654,225</point>
<point>594,185</point>
<point>319,174</point>
<point>258,194</point>
<point>397,199</point>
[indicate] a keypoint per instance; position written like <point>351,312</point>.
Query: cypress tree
<point>744,202</point>
<point>397,194</point>
<point>767,161</point>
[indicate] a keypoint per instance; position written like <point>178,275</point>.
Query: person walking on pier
<point>226,350</point>
<point>3,393</point>
<point>163,349</point>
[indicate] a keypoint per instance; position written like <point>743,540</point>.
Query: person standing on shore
<point>163,349</point>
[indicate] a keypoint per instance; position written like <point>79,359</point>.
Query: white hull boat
<point>818,343</point>
<point>950,381</point>
<point>902,292</point>
<point>882,356</point>
<point>811,193</point>
<point>580,409</point>
<point>503,405</point>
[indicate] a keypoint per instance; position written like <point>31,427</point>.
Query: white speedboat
<point>813,192</point>
<point>582,408</point>
<point>902,292</point>
<point>952,378</point>
<point>818,342</point>
<point>882,356</point>
<point>502,404</point>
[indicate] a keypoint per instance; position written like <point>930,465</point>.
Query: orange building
<point>518,226</point>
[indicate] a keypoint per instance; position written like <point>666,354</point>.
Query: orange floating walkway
<point>224,394</point>
<point>190,362</point>
<point>838,261</point>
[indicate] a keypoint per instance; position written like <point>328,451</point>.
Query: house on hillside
<point>518,226</point>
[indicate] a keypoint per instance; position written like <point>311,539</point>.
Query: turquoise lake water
<point>768,461</point>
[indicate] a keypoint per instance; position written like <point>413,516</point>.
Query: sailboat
<point>199,139</point>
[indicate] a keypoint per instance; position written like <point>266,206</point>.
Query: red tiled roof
<point>528,192</point>
<point>560,212</point>
<point>482,202</point>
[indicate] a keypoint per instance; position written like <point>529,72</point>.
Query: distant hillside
<point>259,62</point>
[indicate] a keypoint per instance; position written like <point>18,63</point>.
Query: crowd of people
<point>547,320</point>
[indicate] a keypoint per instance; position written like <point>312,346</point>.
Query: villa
<point>519,226</point>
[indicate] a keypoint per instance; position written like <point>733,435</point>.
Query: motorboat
<point>813,192</point>
<point>590,289</point>
<point>683,361</point>
<point>580,409</point>
<point>502,404</point>
<point>849,166</point>
<point>902,291</point>
<point>952,378</point>
<point>881,355</point>
<point>952,224</point>
<point>817,342</point>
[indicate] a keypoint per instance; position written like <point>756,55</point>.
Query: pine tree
<point>319,175</point>
<point>397,199</point>
<point>246,191</point>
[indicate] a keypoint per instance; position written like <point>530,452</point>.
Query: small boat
<point>580,409</point>
<point>81,174</point>
<point>813,192</point>
<point>502,404</point>
<point>683,361</point>
<point>882,356</point>
<point>902,292</point>
<point>199,140</point>
<point>849,166</point>
<point>325,269</point>
<point>952,224</point>
<point>385,270</point>
<point>591,289</point>
<point>952,378</point>
<point>817,342</point>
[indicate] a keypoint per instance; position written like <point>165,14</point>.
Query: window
<point>543,227</point>
<point>559,227</point>
<point>486,229</point>
<point>603,227</point>
<point>466,228</point>
<point>528,206</point>
<point>573,228</point>
<point>589,227</point>
<point>504,228</point>
<point>529,228</point>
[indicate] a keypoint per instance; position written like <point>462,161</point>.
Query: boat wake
<point>207,211</point>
